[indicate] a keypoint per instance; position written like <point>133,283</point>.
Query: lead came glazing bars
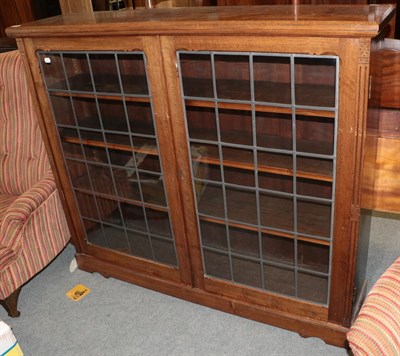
<point>117,95</point>
<point>297,108</point>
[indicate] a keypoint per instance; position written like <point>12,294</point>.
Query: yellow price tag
<point>78,292</point>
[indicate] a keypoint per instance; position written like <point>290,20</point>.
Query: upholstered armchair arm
<point>18,213</point>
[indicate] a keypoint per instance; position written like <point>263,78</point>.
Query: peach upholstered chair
<point>33,228</point>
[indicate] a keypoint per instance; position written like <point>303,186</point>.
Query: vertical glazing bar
<point>83,151</point>
<point>105,144</point>
<point>336,123</point>
<point>135,167</point>
<point>294,155</point>
<point>108,156</point>
<point>221,162</point>
<point>254,128</point>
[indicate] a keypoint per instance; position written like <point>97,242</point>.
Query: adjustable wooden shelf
<point>216,154</point>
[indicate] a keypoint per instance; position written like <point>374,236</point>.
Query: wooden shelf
<point>266,231</point>
<point>315,217</point>
<point>114,146</point>
<point>270,163</point>
<point>132,85</point>
<point>150,205</point>
<point>281,164</point>
<point>316,95</point>
<point>101,96</point>
<point>260,108</point>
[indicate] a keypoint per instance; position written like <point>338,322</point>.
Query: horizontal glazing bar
<point>106,165</point>
<point>123,200</point>
<point>160,237</point>
<point>263,149</point>
<point>267,262</point>
<point>262,190</point>
<point>262,54</point>
<point>100,95</point>
<point>124,133</point>
<point>268,230</point>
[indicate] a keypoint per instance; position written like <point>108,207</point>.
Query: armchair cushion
<point>33,232</point>
<point>376,330</point>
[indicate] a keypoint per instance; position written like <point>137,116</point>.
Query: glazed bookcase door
<point>262,132</point>
<point>104,116</point>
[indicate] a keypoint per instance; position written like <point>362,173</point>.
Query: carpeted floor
<point>117,318</point>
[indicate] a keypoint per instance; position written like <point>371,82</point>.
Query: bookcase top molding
<point>300,20</point>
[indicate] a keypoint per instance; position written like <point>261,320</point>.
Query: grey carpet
<point>119,318</point>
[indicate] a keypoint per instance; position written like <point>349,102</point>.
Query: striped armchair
<point>33,228</point>
<point>376,330</point>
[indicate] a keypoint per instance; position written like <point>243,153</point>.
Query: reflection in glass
<point>109,211</point>
<point>116,239</point>
<point>152,188</point>
<point>107,133</point>
<point>133,216</point>
<point>101,179</point>
<point>126,184</point>
<point>78,174</point>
